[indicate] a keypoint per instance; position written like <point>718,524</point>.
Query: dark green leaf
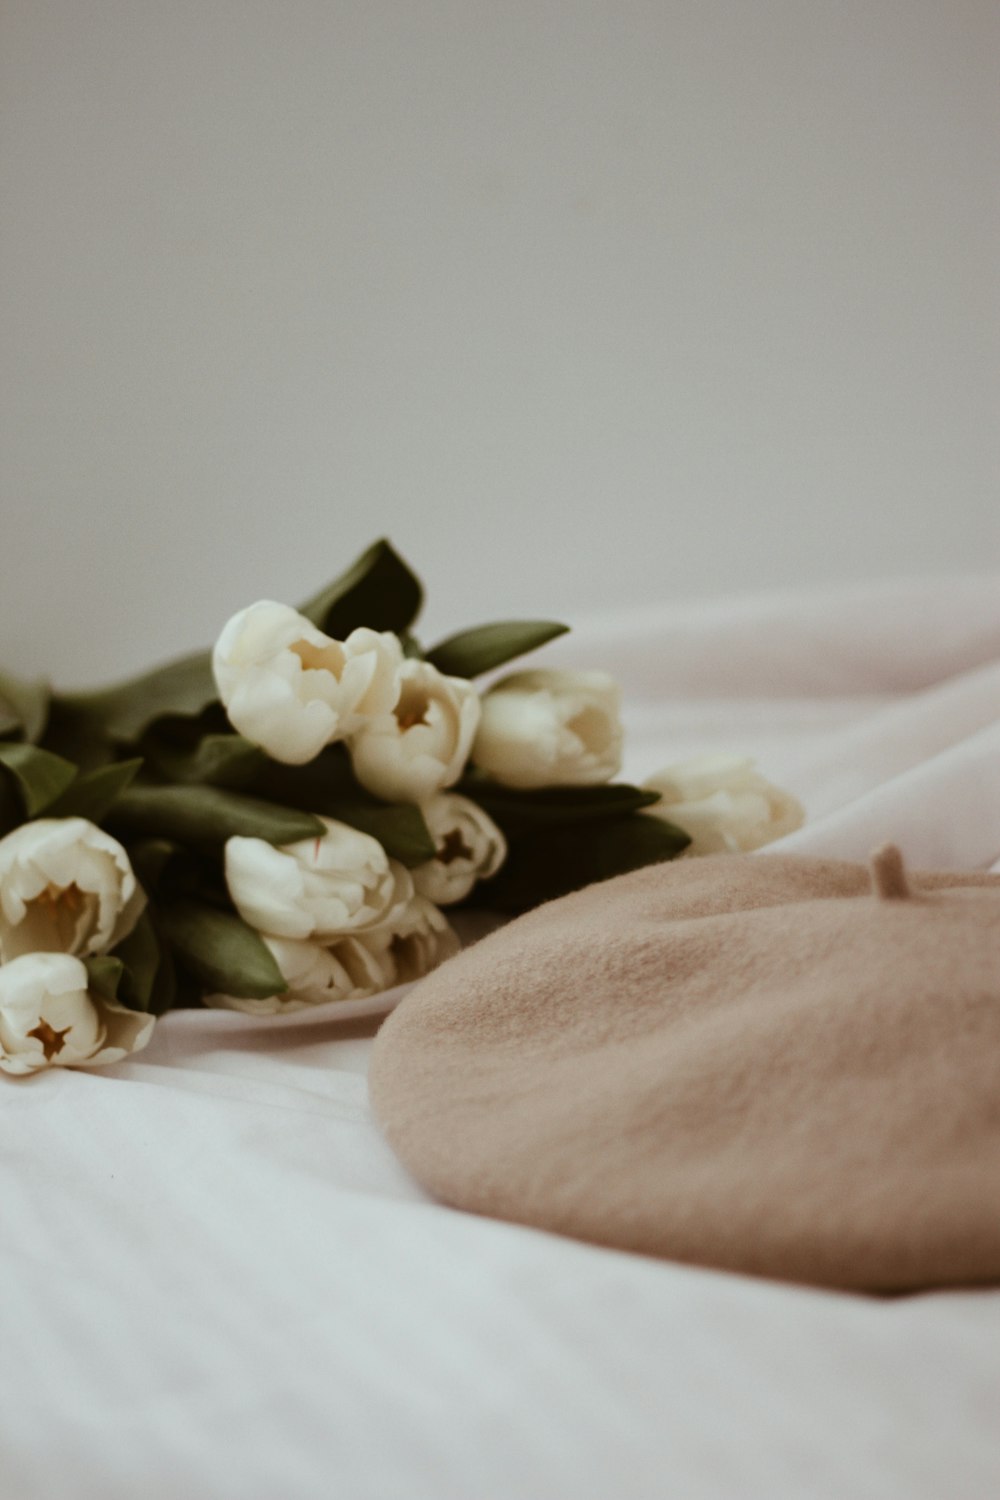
<point>139,954</point>
<point>185,993</point>
<point>150,858</point>
<point>167,871</point>
<point>378,590</point>
<point>221,951</point>
<point>473,652</point>
<point>167,991</point>
<point>317,787</point>
<point>104,975</point>
<point>516,810</point>
<point>40,776</point>
<point>558,860</point>
<point>11,806</point>
<point>226,760</point>
<point>74,735</point>
<point>399,827</point>
<point>123,712</point>
<point>207,816</point>
<point>93,793</point>
<point>24,706</point>
<point>327,786</point>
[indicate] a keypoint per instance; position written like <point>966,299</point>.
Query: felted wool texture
<point>751,1063</point>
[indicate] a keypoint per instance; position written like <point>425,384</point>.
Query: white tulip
<point>423,744</point>
<point>469,844</point>
<point>66,886</point>
<point>316,973</point>
<point>551,728</point>
<point>416,942</point>
<point>317,889</point>
<point>291,689</point>
<point>49,1019</point>
<point>724,804</point>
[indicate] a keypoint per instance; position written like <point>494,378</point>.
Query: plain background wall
<point>581,303</point>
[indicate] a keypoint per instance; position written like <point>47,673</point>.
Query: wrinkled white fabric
<point>220,1283</point>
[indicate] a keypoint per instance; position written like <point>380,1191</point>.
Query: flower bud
<point>423,744</point>
<point>317,889</point>
<point>316,973</point>
<point>49,1019</point>
<point>724,804</point>
<point>469,844</point>
<point>550,728</point>
<point>65,886</point>
<point>291,689</point>
<point>416,942</point>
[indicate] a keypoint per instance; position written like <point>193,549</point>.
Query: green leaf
<point>399,827</point>
<point>11,806</point>
<point>378,590</point>
<point>150,858</point>
<point>123,712</point>
<point>327,786</point>
<point>221,951</point>
<point>76,737</point>
<point>41,777</point>
<point>473,652</point>
<point>517,810</point>
<point>24,705</point>
<point>226,760</point>
<point>318,786</point>
<point>93,793</point>
<point>170,989</point>
<point>139,954</point>
<point>104,975</point>
<point>555,861</point>
<point>207,816</point>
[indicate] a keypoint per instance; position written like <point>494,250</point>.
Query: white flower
<point>423,744</point>
<point>66,886</point>
<point>470,847</point>
<point>550,728</point>
<point>415,942</point>
<point>318,889</point>
<point>724,804</point>
<point>291,689</point>
<point>345,969</point>
<point>49,1019</point>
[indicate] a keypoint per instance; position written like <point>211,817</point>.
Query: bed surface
<point>218,1282</point>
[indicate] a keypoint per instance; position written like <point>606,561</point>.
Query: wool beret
<point>781,1066</point>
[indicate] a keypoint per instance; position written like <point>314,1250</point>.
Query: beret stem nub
<point>888,873</point>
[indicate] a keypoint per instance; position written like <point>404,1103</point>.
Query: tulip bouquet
<point>279,822</point>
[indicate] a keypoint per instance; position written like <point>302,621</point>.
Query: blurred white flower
<point>724,803</point>
<point>66,886</point>
<point>423,744</point>
<point>319,889</point>
<point>48,1018</point>
<point>316,973</point>
<point>470,847</point>
<point>291,689</point>
<point>551,728</point>
<point>416,942</point>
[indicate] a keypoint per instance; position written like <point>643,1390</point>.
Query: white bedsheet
<point>217,1281</point>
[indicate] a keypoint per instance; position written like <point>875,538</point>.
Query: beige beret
<point>787,1067</point>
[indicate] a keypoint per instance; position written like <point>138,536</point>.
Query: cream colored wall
<point>580,302</point>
